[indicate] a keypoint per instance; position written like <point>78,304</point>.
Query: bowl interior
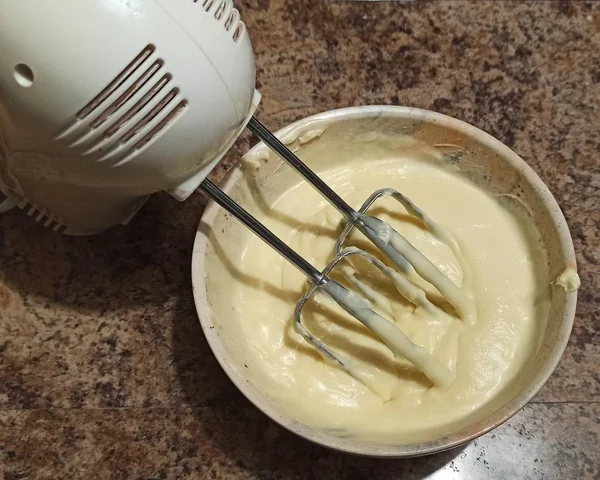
<point>468,151</point>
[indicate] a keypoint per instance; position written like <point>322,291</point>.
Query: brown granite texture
<point>104,371</point>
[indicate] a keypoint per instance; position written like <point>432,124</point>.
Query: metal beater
<point>409,263</point>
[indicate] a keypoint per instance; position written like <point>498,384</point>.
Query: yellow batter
<point>483,353</point>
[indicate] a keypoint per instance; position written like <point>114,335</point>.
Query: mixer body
<point>104,102</point>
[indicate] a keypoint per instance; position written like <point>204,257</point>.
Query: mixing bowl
<point>471,153</point>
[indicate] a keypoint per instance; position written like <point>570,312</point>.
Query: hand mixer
<point>104,103</point>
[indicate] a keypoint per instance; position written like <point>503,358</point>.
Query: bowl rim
<point>453,439</point>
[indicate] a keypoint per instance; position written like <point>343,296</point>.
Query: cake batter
<point>483,350</point>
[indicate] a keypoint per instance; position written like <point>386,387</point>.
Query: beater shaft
<point>266,235</point>
<point>311,177</point>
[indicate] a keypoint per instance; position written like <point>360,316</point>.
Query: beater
<point>104,103</point>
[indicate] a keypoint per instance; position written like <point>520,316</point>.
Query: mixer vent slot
<point>127,115</point>
<point>224,11</point>
<point>175,111</point>
<point>117,82</point>
<point>239,30</point>
<point>207,5</point>
<point>42,216</point>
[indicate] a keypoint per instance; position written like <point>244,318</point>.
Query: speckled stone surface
<point>104,371</point>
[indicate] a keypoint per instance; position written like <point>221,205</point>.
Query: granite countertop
<point>104,371</point>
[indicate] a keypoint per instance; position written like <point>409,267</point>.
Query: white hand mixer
<point>104,102</point>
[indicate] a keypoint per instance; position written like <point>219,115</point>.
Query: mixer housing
<point>104,103</point>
